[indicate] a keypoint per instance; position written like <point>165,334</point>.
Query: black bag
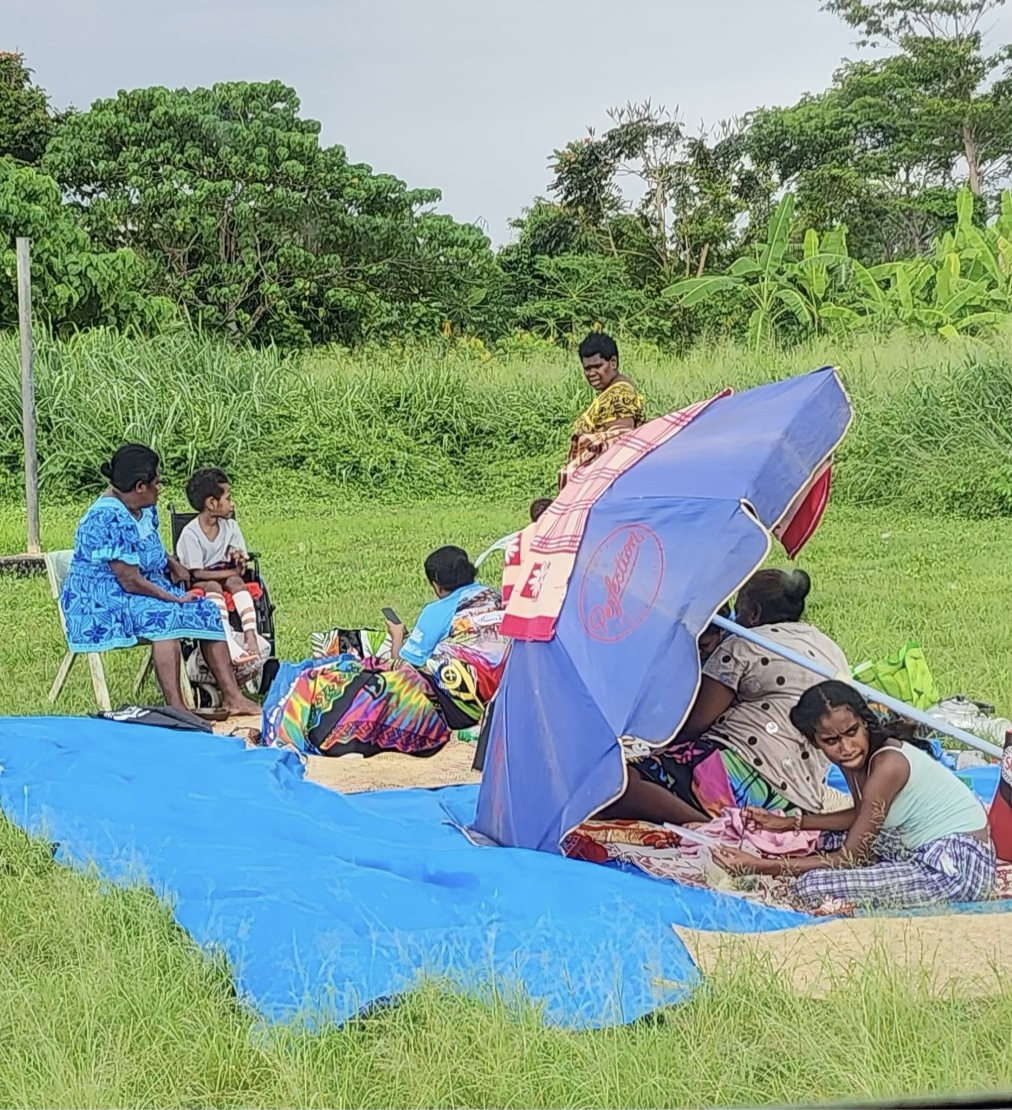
<point>482,746</point>
<point>157,716</point>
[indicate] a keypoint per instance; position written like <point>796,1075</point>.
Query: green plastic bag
<point>903,675</point>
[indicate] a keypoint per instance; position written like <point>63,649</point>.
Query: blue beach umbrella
<point>664,546</point>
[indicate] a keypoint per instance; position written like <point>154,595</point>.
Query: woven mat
<point>236,726</point>
<point>349,774</point>
<point>957,953</point>
<point>450,766</point>
<point>835,800</point>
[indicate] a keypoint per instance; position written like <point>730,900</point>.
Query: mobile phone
<point>392,617</point>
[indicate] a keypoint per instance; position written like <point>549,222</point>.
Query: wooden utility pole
<point>28,393</point>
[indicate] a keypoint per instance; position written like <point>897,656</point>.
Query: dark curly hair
<point>449,568</point>
<point>599,343</point>
<point>818,700</point>
<point>131,466</point>
<point>773,597</point>
<point>204,484</point>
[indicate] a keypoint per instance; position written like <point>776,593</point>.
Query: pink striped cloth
<point>513,559</point>
<point>539,579</point>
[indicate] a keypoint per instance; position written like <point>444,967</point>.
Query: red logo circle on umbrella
<point>621,583</point>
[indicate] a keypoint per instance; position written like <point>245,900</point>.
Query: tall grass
<point>933,429</point>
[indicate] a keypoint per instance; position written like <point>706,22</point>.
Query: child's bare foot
<point>252,644</point>
<point>239,656</point>
<point>242,707</point>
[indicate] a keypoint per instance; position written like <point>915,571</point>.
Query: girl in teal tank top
<point>915,834</point>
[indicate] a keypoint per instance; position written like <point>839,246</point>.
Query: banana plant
<point>985,254</point>
<point>925,293</point>
<point>770,286</point>
<point>965,284</point>
<point>824,267</point>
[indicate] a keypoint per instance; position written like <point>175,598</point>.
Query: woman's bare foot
<point>235,703</point>
<point>242,707</point>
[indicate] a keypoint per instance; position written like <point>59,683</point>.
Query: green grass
<point>879,580</point>
<point>104,1001</point>
<point>933,429</point>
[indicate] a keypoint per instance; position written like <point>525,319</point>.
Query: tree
<point>255,229</point>
<point>772,287</point>
<point>941,56</point>
<point>25,120</point>
<point>74,284</point>
<point>845,156</point>
<point>692,189</point>
<point>545,230</point>
<point>580,291</point>
<point>885,148</point>
<point>642,203</point>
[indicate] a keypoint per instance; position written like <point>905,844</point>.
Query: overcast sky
<point>469,96</point>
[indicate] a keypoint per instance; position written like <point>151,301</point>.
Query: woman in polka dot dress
<point>738,747</point>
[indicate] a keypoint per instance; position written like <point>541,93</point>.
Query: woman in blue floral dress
<point>122,587</point>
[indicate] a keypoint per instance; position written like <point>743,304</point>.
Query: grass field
<point>879,580</point>
<point>103,1001</point>
<point>933,427</point>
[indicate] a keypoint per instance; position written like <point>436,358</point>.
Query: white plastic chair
<point>57,566</point>
<point>499,545</point>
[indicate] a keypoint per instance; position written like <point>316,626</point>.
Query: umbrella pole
<point>869,692</point>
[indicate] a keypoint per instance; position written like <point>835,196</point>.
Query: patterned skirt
<point>711,778</point>
<point>343,705</point>
<point>100,615</point>
<point>959,868</point>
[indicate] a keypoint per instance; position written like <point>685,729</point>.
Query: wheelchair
<point>262,604</point>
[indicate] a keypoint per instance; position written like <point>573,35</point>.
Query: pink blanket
<point>513,560</point>
<point>660,852</point>
<point>729,828</point>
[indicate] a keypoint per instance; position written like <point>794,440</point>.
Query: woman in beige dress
<point>738,746</point>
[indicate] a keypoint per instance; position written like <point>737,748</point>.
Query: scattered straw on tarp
<point>955,953</point>
<point>349,774</point>
<point>450,766</point>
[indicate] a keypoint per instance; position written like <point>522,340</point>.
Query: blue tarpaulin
<point>325,903</point>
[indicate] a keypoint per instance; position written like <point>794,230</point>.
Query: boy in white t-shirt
<point>212,548</point>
